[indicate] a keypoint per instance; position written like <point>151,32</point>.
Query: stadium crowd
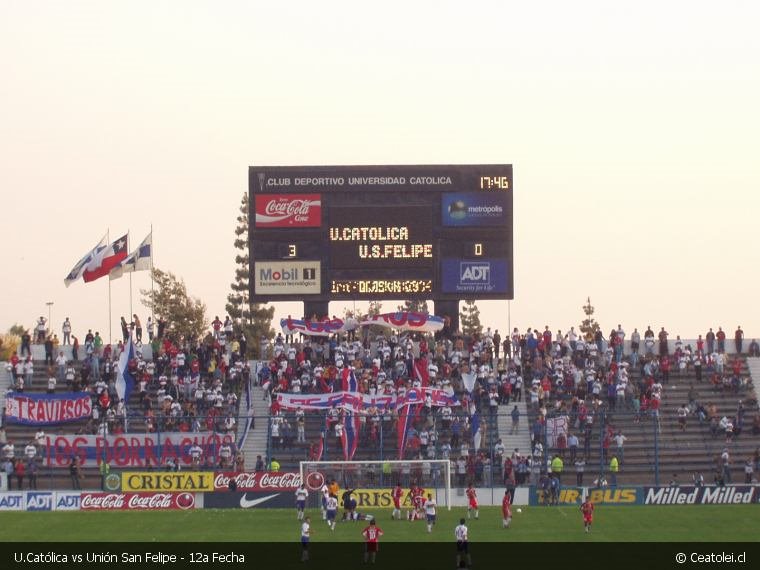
<point>188,385</point>
<point>585,379</point>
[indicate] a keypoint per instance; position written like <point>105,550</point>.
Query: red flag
<point>421,371</point>
<point>105,260</point>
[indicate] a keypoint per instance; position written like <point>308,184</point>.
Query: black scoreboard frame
<point>423,263</point>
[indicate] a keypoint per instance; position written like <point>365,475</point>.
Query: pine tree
<point>589,326</point>
<point>253,320</point>
<point>469,319</point>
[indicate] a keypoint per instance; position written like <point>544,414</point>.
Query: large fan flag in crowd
<point>125,381</point>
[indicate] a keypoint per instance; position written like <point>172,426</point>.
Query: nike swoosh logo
<point>246,504</point>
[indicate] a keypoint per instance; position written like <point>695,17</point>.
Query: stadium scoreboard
<point>326,233</point>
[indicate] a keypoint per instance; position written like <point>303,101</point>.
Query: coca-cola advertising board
<point>136,501</point>
<point>288,211</point>
<point>261,481</point>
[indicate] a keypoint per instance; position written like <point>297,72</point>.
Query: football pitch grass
<point>703,523</point>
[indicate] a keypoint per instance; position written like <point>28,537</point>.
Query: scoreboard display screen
<point>380,232</point>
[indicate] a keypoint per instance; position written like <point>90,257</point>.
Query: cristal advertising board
<point>192,481</point>
<point>381,232</point>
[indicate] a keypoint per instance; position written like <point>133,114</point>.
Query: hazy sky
<point>632,128</point>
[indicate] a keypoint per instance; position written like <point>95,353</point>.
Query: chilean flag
<point>350,437</point>
<point>105,260</point>
<point>349,381</point>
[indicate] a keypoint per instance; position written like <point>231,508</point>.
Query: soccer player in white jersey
<point>332,509</point>
<point>430,512</point>
<point>462,536</point>
<point>301,495</point>
<point>305,536</point>
<point>325,495</point>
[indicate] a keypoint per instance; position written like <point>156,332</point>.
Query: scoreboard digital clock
<point>323,233</point>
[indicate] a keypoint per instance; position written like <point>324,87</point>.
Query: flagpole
<point>110,328</point>
<point>152,255</point>
<point>130,294</point>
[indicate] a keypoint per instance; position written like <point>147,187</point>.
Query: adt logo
<point>67,501</point>
<point>39,501</point>
<point>474,273</point>
<point>11,501</point>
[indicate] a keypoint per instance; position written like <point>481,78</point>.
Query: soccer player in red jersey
<point>587,509</point>
<point>416,494</point>
<point>396,494</point>
<point>371,535</point>
<point>506,509</point>
<point>472,501</point>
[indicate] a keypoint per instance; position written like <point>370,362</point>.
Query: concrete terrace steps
<point>521,440</point>
<point>257,440</point>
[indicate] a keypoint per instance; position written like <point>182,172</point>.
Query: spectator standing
<point>515,421</point>
<point>738,339</point>
<point>138,328</point>
<point>749,470</point>
<point>48,351</point>
<point>31,472</point>
<point>66,330</point>
<point>721,337</point>
<point>75,473</point>
<point>580,468</point>
<point>149,325</point>
<point>41,330</point>
<point>19,471</point>
<point>614,470</point>
<point>124,330</point>
<point>8,467</point>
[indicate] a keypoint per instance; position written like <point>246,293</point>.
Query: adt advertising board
<point>475,276</point>
<point>40,501</point>
<point>11,501</point>
<point>65,501</point>
<point>474,209</point>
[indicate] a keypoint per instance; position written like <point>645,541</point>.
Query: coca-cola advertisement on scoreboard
<point>261,481</point>
<point>288,211</point>
<point>136,501</point>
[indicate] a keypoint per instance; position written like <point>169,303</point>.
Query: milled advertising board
<point>326,233</point>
